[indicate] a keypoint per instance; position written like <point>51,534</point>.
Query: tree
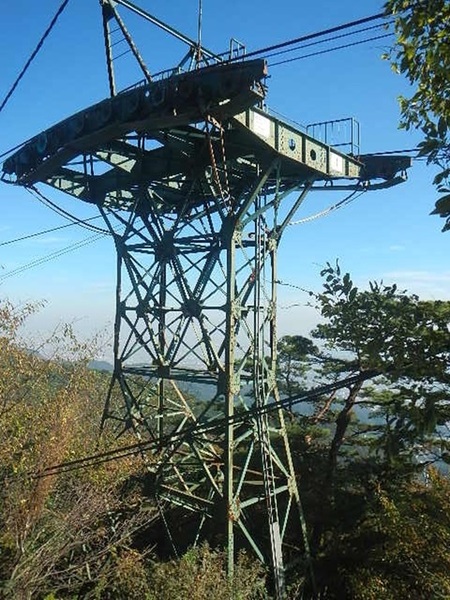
<point>400,339</point>
<point>72,532</point>
<point>293,351</point>
<point>395,547</point>
<point>383,427</point>
<point>422,53</point>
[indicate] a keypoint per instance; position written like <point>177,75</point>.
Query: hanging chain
<point>224,190</point>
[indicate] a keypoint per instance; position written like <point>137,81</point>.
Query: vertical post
<point>162,349</point>
<point>107,16</point>
<point>129,40</point>
<point>263,387</point>
<point>280,586</point>
<point>229,234</point>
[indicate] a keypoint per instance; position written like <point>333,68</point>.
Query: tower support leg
<point>195,364</point>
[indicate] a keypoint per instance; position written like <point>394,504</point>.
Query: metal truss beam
<point>197,305</point>
<point>167,28</point>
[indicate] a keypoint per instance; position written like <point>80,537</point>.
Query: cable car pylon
<point>197,182</point>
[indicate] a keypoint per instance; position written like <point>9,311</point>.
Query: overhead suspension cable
<point>53,255</point>
<point>45,231</point>
<point>407,151</point>
<point>63,213</point>
<point>348,25</point>
<point>311,36</point>
<point>327,50</point>
<point>33,54</point>
<point>330,39</point>
<point>203,427</point>
<point>11,150</point>
<point>292,285</point>
<point>347,200</point>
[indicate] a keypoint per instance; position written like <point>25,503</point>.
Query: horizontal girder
<point>194,135</point>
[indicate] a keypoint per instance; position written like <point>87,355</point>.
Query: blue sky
<point>385,235</point>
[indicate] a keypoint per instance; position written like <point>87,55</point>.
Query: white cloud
<point>296,319</point>
<point>427,284</point>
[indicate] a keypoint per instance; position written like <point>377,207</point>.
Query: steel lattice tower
<point>196,183</point>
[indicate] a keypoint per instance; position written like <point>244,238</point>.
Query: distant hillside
<point>101,365</point>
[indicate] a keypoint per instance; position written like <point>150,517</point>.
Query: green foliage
<point>403,340</point>
<point>200,575</point>
<point>293,352</point>
<point>128,579</point>
<point>383,328</point>
<point>397,548</point>
<point>362,449</point>
<point>55,532</point>
<point>422,54</point>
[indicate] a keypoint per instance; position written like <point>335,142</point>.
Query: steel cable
<point>33,54</point>
<point>45,231</point>
<point>132,449</point>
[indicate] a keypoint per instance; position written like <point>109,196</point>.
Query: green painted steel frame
<point>196,303</point>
